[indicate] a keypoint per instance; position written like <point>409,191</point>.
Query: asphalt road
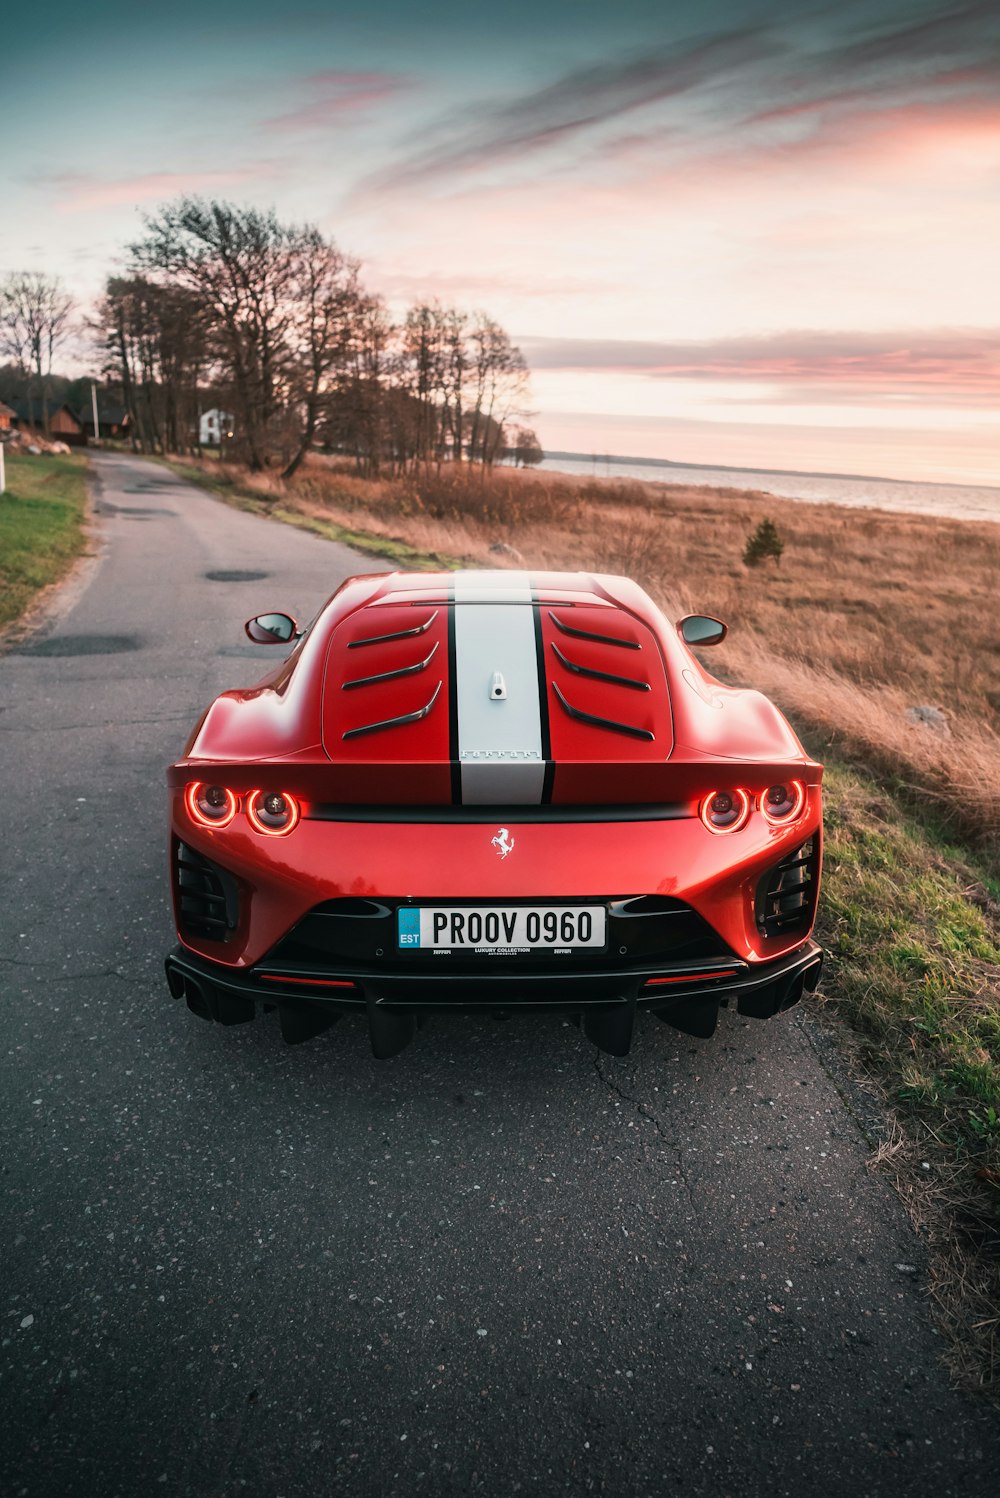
<point>499,1263</point>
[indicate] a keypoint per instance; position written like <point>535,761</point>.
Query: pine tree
<point>765,542</point>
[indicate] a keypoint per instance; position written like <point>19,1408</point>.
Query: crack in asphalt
<point>644,1111</point>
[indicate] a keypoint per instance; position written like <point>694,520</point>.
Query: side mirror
<point>271,629</point>
<point>701,629</point>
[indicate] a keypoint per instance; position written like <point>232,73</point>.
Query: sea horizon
<point>976,502</point>
<point>802,473</point>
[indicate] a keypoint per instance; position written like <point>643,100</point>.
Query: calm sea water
<point>958,501</point>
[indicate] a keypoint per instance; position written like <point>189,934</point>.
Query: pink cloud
<point>935,146</point>
<point>918,366</point>
<point>83,194</point>
<point>340,93</point>
<point>903,131</point>
<point>456,284</point>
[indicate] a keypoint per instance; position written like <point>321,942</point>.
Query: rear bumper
<point>431,861</point>
<point>685,994</point>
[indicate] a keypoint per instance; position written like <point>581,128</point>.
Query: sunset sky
<point>721,232</point>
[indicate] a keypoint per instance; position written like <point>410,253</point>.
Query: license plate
<point>494,928</point>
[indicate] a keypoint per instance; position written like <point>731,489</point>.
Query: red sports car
<point>492,790</point>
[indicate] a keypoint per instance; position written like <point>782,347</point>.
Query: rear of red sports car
<point>499,791</point>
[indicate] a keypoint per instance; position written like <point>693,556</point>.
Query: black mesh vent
<point>208,901</point>
<point>786,896</point>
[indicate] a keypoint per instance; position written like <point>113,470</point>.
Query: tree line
<point>227,306</point>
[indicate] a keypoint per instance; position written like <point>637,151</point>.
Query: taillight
<point>274,812</point>
<point>783,803</point>
<point>209,805</point>
<point>725,811</point>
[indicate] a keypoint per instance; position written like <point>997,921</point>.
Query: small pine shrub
<point>765,542</point>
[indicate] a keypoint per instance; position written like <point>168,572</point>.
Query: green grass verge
<point>911,926</point>
<point>392,549</point>
<point>913,932</point>
<point>41,526</point>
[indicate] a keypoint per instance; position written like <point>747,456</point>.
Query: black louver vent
<point>208,899</point>
<point>397,634</point>
<point>382,676</point>
<point>590,634</point>
<point>786,896</point>
<point>603,673</point>
<point>597,721</point>
<point>595,675</point>
<point>383,723</point>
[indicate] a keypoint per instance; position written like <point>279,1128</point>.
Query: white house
<point>213,426</point>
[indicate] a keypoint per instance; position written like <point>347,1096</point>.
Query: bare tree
<point>456,373</point>
<point>239,264</point>
<point>156,345</point>
<point>362,415</point>
<point>501,388</point>
<point>423,359</point>
<point>35,320</point>
<point>113,325</point>
<point>325,306</point>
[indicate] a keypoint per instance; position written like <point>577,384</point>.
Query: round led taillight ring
<point>741,806</point>
<point>269,824</point>
<point>794,808</point>
<point>200,810</point>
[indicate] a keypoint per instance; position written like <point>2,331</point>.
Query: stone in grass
<point>934,718</point>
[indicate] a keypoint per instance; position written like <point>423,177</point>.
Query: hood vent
<point>371,681</point>
<point>587,634</point>
<point>495,697</point>
<point>595,675</point>
<point>597,722</point>
<point>421,712</point>
<point>398,634</point>
<point>595,692</point>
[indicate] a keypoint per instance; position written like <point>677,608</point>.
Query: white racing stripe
<point>499,737</point>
